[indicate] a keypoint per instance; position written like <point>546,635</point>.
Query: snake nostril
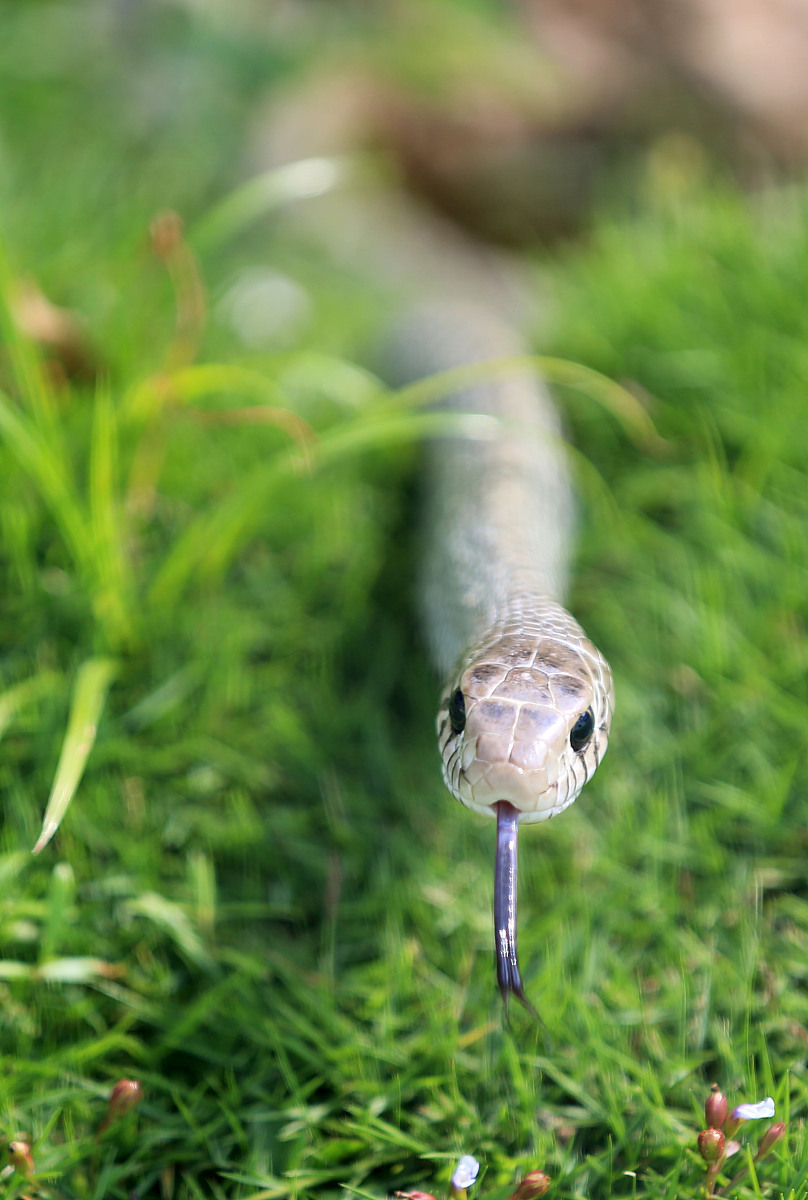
<point>457,711</point>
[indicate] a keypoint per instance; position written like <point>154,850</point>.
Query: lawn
<point>261,903</point>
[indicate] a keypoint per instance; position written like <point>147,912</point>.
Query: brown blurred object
<point>21,1159</point>
<point>511,126</point>
<point>169,246</point>
<point>741,63</point>
<point>731,75</point>
<point>58,331</point>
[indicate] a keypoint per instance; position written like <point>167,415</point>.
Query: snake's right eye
<point>457,711</point>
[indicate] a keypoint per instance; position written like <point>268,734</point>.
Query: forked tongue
<point>505,881</point>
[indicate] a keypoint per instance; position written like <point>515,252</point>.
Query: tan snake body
<point>525,713</point>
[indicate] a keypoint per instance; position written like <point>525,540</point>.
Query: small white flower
<point>465,1172</point>
<point>731,1148</point>
<point>753,1112</point>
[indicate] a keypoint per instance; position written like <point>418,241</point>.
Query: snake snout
<point>512,750</point>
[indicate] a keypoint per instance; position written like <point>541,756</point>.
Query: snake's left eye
<point>457,711</point>
<point>582,730</point>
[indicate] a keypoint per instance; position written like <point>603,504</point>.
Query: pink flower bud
<point>125,1096</point>
<point>711,1145</point>
<point>416,1195</point>
<point>772,1135</point>
<point>19,1155</point>
<point>534,1184</point>
<point>715,1108</point>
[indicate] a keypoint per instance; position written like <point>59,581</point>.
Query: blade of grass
<point>272,190</point>
<point>89,694</point>
<point>617,400</point>
<point>112,601</point>
<point>76,970</point>
<point>147,399</point>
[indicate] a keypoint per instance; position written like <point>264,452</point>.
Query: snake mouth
<point>505,906</point>
<point>552,800</point>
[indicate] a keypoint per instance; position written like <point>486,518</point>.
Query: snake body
<point>526,708</point>
<point>527,704</point>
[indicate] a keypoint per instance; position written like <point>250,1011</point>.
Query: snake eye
<point>457,711</point>
<point>582,730</point>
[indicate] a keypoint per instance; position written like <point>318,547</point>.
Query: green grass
<point>261,903</point>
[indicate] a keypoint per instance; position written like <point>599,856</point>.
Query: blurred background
<point>261,903</point>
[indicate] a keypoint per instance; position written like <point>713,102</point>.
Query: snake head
<point>526,721</point>
<point>522,727</point>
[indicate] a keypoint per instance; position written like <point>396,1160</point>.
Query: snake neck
<point>512,627</point>
<point>498,502</point>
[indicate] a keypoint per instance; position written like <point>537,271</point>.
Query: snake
<point>527,700</point>
<point>527,703</point>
